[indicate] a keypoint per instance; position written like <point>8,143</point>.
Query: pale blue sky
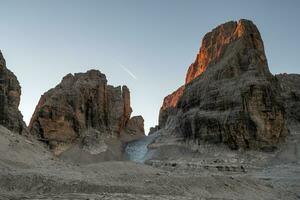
<point>146,45</point>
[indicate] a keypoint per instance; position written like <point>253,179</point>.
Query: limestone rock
<point>134,129</point>
<point>135,126</point>
<point>290,84</point>
<point>229,96</point>
<point>169,104</point>
<point>10,93</point>
<point>214,45</point>
<point>153,130</point>
<point>81,102</point>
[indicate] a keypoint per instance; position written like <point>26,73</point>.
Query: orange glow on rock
<point>215,42</point>
<point>172,99</point>
<point>213,48</point>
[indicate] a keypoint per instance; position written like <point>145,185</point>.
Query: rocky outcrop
<point>169,105</point>
<point>290,84</point>
<point>230,96</point>
<point>135,126</point>
<point>134,129</point>
<point>214,45</point>
<point>80,103</point>
<point>10,93</point>
<point>153,130</point>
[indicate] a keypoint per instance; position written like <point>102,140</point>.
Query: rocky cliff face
<point>169,105</point>
<point>290,84</point>
<point>229,96</point>
<point>214,45</point>
<point>135,126</point>
<point>134,129</point>
<point>10,93</point>
<point>80,103</point>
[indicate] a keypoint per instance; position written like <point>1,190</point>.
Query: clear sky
<point>146,45</point>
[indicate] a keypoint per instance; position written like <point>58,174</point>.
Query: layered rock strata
<point>290,85</point>
<point>80,103</point>
<point>229,96</point>
<point>10,94</point>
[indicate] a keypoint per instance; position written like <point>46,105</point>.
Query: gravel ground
<point>29,171</point>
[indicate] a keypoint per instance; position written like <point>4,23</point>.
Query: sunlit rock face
<point>81,102</point>
<point>229,96</point>
<point>214,45</point>
<point>169,104</point>
<point>10,93</point>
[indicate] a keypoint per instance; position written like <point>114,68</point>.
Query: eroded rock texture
<point>169,105</point>
<point>134,129</point>
<point>10,93</point>
<point>135,126</point>
<point>229,96</point>
<point>290,84</point>
<point>153,130</point>
<point>81,102</point>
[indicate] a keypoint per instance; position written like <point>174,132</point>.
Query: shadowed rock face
<point>229,96</point>
<point>135,126</point>
<point>81,102</point>
<point>134,129</point>
<point>290,84</point>
<point>10,93</point>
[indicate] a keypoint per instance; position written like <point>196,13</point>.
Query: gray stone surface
<point>233,99</point>
<point>290,84</point>
<point>10,93</point>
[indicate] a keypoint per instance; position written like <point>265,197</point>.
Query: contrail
<point>129,72</point>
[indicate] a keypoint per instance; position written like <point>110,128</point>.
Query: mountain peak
<point>215,43</point>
